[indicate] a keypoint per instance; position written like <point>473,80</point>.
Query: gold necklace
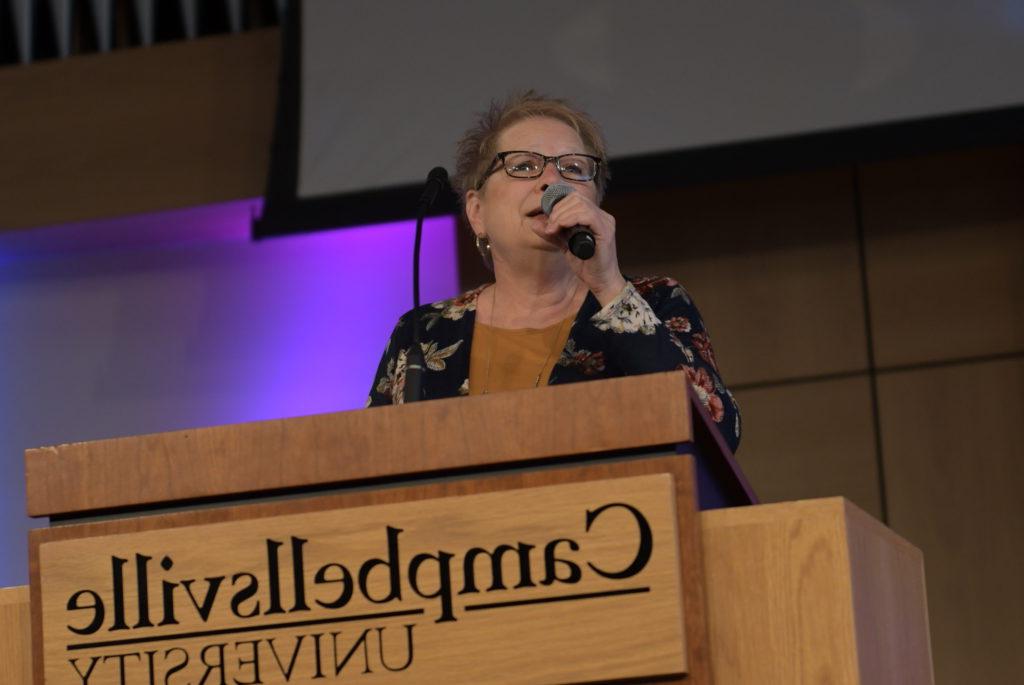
<point>551,350</point>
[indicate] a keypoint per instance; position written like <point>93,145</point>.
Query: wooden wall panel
<point>955,469</point>
<point>771,262</point>
<point>174,125</point>
<point>945,247</point>
<point>811,440</point>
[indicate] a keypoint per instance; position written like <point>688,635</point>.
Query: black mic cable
<point>415,365</point>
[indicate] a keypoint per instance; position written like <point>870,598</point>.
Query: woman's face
<point>506,208</point>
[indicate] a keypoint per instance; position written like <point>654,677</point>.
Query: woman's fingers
<point>576,210</point>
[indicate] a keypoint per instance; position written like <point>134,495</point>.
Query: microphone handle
<point>581,242</point>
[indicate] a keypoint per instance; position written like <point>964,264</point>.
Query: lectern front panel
<point>581,574</point>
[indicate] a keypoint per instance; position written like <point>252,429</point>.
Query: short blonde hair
<point>476,150</point>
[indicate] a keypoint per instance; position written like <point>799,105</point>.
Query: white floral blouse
<point>651,326</point>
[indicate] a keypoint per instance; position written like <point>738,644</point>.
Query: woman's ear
<point>474,212</point>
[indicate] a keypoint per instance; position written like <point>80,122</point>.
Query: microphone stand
<point>415,365</point>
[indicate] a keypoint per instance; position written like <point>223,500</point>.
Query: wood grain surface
<point>15,636</point>
<point>345,447</point>
<point>770,260</point>
<point>680,467</point>
<point>954,469</point>
<point>173,125</point>
<point>889,602</point>
<point>802,592</point>
<point>813,592</point>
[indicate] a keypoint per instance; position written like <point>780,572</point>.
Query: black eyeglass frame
<point>499,160</point>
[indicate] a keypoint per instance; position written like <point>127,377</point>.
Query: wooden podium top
<point>365,445</point>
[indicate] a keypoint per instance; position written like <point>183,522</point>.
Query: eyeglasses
<point>524,164</point>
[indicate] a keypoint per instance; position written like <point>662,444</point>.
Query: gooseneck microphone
<point>581,239</point>
<point>414,362</point>
<point>436,180</point>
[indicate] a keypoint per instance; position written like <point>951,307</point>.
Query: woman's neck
<point>531,296</point>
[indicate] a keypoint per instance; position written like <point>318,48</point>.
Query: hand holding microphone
<point>586,224</point>
<point>581,239</point>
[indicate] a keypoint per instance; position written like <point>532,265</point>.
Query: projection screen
<point>387,87</point>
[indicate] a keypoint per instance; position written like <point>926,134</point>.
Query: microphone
<point>581,239</point>
<point>414,362</point>
<point>436,179</point>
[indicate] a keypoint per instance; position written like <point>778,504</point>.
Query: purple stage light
<point>178,319</point>
<point>189,322</point>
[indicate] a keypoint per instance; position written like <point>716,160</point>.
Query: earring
<point>483,246</point>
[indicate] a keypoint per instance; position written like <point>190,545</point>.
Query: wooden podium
<point>382,545</point>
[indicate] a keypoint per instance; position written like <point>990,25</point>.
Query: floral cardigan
<point>651,326</point>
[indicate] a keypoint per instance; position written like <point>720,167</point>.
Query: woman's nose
<point>549,175</point>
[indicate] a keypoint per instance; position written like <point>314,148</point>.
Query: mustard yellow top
<point>513,358</point>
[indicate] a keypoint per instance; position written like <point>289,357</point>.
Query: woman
<point>548,317</point>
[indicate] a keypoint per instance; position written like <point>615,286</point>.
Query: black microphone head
<point>552,195</point>
<point>436,179</point>
<point>438,174</point>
